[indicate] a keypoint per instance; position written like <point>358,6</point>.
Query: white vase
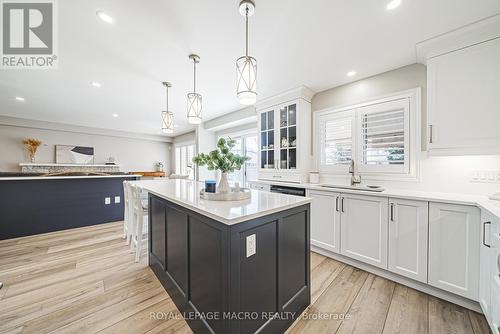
<point>223,186</point>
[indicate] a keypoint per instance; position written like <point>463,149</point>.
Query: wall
<point>443,173</point>
<point>132,154</point>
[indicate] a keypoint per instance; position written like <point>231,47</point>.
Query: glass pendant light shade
<point>194,99</point>
<point>246,68</point>
<point>194,108</point>
<point>167,123</point>
<point>167,117</point>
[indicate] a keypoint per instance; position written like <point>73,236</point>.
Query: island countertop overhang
<point>186,193</point>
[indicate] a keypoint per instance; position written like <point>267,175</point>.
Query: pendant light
<point>167,117</point>
<point>194,99</point>
<point>246,66</point>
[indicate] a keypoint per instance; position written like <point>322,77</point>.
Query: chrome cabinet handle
<point>392,212</point>
<point>484,234</point>
<point>337,204</point>
<point>342,202</point>
<point>430,134</point>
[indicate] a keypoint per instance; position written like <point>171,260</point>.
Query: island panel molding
<point>204,267</point>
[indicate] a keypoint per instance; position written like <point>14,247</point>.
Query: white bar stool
<point>128,213</point>
<point>139,210</point>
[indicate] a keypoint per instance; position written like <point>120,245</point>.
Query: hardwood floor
<point>86,281</point>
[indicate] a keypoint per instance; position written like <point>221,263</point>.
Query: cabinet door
<point>408,228</point>
<point>267,159</point>
<point>364,228</point>
<point>287,140</point>
<point>485,262</point>
<point>454,235</point>
<point>157,231</point>
<point>325,220</point>
<point>463,97</point>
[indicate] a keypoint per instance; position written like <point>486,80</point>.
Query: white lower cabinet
<point>454,236</point>
<point>364,228</point>
<point>408,228</point>
<point>485,262</point>
<point>325,220</point>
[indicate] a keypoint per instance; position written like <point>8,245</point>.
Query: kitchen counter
<point>187,193</point>
<point>26,178</point>
<point>481,201</point>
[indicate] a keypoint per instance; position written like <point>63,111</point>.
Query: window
<point>246,144</point>
<point>184,154</point>
<point>375,135</point>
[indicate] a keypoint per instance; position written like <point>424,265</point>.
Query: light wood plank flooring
<point>86,281</point>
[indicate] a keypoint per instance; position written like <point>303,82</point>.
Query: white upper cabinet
<point>408,228</point>
<point>364,228</point>
<point>325,220</point>
<point>454,236</point>
<point>285,141</point>
<point>463,89</point>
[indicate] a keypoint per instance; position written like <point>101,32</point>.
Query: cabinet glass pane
<point>283,137</point>
<point>292,158</point>
<point>270,139</point>
<point>292,114</point>
<point>292,136</point>
<point>263,140</point>
<point>283,158</point>
<point>270,119</point>
<point>283,117</point>
<point>263,121</point>
<point>270,159</point>
<point>263,159</point>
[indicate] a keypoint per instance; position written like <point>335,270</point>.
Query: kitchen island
<point>230,267</point>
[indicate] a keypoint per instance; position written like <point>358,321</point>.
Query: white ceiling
<point>296,42</point>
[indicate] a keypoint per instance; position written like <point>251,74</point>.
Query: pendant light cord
<point>246,28</point>
<point>194,80</point>
<point>167,98</point>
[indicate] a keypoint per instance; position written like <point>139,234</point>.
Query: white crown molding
<point>474,33</point>
<point>301,92</point>
<point>42,125</point>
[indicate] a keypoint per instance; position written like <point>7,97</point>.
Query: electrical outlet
<point>107,200</point>
<point>251,245</point>
<point>117,199</point>
<point>485,176</point>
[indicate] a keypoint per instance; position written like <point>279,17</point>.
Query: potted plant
<point>222,159</point>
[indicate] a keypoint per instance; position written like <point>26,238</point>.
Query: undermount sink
<point>361,188</point>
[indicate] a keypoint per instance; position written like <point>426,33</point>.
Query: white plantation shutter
<point>335,139</point>
<point>384,136</point>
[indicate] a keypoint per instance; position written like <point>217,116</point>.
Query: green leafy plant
<point>222,158</point>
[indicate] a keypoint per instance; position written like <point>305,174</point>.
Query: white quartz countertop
<point>481,201</point>
<point>187,194</point>
<point>26,178</point>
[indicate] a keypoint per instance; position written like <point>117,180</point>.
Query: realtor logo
<point>28,34</point>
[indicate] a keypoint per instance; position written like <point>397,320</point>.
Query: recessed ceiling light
<point>105,17</point>
<point>351,73</point>
<point>115,115</point>
<point>19,98</point>
<point>393,4</point>
<point>95,84</point>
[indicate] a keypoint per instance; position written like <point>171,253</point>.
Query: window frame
<point>411,173</point>
<point>178,160</point>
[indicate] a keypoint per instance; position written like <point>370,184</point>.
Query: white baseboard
<point>450,297</point>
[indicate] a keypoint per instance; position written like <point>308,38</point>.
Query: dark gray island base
<point>203,265</point>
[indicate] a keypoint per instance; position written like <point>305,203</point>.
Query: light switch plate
<point>107,200</point>
<point>251,245</point>
<point>117,199</point>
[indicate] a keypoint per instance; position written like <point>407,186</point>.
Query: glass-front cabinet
<point>285,141</point>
